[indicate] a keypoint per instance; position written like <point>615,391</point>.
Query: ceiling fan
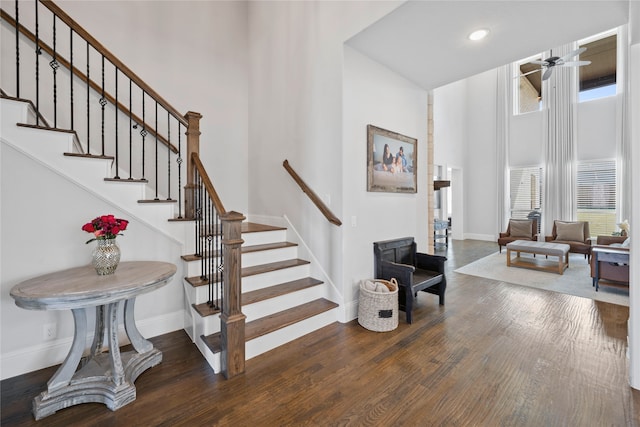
<point>557,61</point>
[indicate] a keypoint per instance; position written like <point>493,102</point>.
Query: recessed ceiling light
<point>478,34</point>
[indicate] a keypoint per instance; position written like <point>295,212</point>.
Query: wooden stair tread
<point>267,246</point>
<point>276,321</point>
<point>196,281</point>
<point>252,227</point>
<point>244,250</point>
<point>157,201</point>
<point>89,156</point>
<point>205,310</point>
<point>272,266</point>
<point>126,180</point>
<point>245,227</point>
<point>273,322</point>
<point>278,290</point>
<point>213,341</point>
<point>256,269</point>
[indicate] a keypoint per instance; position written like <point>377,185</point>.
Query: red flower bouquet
<point>105,227</point>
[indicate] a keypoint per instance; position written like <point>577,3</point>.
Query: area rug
<point>576,279</point>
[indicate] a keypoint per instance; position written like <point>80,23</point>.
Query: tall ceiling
<point>426,41</point>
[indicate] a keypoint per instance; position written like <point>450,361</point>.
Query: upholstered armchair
<point>573,233</point>
<point>519,229</point>
<point>608,270</point>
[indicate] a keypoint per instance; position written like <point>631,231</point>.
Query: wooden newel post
<point>193,146</point>
<point>232,320</point>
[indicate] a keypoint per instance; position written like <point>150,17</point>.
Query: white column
<point>634,279</point>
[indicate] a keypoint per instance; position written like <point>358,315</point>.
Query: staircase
<point>280,299</point>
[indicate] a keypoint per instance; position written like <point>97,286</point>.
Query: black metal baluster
<point>103,102</point>
<point>130,135</point>
<point>216,218</point>
<point>116,116</point>
<point>38,52</point>
<point>17,51</point>
<point>205,233</point>
<point>179,161</point>
<point>143,132</point>
<point>212,256</point>
<point>156,163</point>
<point>54,65</point>
<point>221,262</point>
<point>71,73</point>
<point>197,212</point>
<point>168,156</point>
<point>89,105</point>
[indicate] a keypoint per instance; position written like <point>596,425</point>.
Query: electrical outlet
<point>49,331</point>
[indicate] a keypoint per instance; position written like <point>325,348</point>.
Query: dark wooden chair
<point>413,270</point>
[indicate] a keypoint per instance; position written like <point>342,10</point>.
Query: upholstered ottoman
<point>547,249</point>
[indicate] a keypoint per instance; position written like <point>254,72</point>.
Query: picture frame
<point>384,174</point>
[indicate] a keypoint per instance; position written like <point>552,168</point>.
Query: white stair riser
<point>272,255</point>
<point>264,237</point>
<point>213,359</point>
<point>249,259</point>
<point>14,112</point>
<point>262,344</point>
<point>259,281</point>
<point>274,305</point>
<point>205,325</point>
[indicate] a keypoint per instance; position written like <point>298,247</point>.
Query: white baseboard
<point>485,237</point>
<point>348,311</point>
<point>53,353</point>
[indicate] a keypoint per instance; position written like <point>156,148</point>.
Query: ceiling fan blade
<point>538,62</point>
<point>530,72</point>
<point>572,54</point>
<point>547,73</point>
<point>576,63</point>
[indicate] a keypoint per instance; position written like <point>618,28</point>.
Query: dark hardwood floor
<point>495,355</point>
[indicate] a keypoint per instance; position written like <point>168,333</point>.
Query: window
<point>596,193</point>
<point>528,90</point>
<point>526,193</point>
<point>598,79</point>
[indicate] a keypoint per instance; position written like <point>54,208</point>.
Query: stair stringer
<point>87,173</point>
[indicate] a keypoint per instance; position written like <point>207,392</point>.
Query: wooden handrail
<point>217,203</point>
<point>112,58</point>
<point>313,196</point>
<point>95,86</point>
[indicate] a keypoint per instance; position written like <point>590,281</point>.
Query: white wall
<point>295,113</point>
<point>375,95</point>
<point>450,124</point>
<point>195,55</point>
<point>480,157</point>
<point>42,214</point>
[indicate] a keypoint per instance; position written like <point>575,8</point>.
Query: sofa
<point>519,229</point>
<point>612,271</point>
<point>573,233</point>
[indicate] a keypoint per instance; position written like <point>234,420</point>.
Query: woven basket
<point>378,311</point>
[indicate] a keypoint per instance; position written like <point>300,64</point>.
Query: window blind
<point>596,195</point>
<point>526,192</point>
